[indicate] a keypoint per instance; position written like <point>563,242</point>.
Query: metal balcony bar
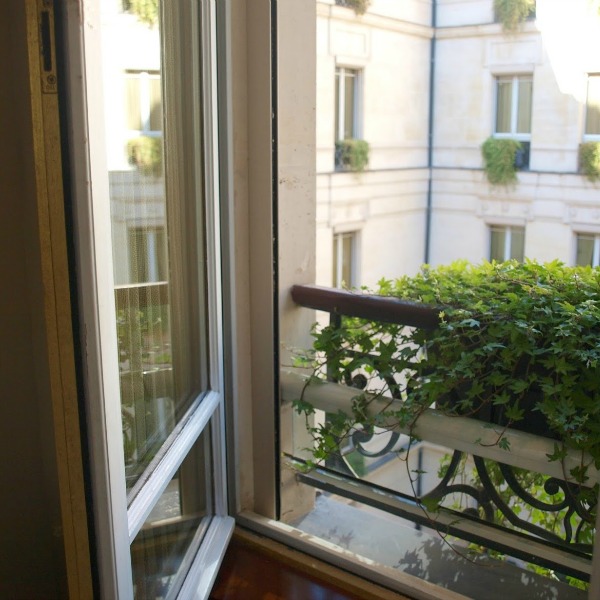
<point>356,304</point>
<point>527,451</point>
<point>449,522</point>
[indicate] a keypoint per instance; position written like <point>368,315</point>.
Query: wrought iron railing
<point>500,509</point>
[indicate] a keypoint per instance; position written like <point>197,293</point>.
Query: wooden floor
<point>255,568</point>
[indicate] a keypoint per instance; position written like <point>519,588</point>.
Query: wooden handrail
<point>365,306</point>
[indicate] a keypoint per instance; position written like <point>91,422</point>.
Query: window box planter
<point>358,6</point>
<point>511,13</point>
<point>351,155</point>
<point>502,158</point>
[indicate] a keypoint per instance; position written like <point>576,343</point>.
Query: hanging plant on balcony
<point>499,160</point>
<point>352,154</point>
<point>146,153</point>
<point>517,345</point>
<point>511,13</point>
<point>145,10</point>
<point>359,6</point>
<point>589,160</point>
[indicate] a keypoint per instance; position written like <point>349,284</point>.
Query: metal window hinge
<point>47,46</point>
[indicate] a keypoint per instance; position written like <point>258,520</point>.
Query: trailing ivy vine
<point>359,6</point>
<point>511,13</point>
<point>352,154</point>
<point>499,156</point>
<point>589,160</point>
<point>145,10</point>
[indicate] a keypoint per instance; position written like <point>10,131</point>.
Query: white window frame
<point>596,250</point>
<point>341,106</point>
<point>514,109</point>
<point>118,518</point>
<point>508,231</point>
<point>144,78</point>
<point>338,250</point>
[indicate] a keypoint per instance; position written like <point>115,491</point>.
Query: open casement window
<point>149,272</point>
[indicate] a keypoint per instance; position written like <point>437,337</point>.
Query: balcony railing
<point>145,369</point>
<point>545,525</point>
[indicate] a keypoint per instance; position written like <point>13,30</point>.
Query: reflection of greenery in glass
<point>143,332</point>
<point>146,154</point>
<point>145,10</point>
<point>145,366</point>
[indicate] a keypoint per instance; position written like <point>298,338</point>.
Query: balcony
<point>447,480</point>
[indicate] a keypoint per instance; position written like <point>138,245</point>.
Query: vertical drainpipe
<point>432,50</point>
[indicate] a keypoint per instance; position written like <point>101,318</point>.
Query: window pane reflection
<point>172,532</point>
<point>156,250</point>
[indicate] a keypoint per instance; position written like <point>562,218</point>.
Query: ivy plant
<point>359,6</point>
<point>517,343</point>
<point>145,10</point>
<point>352,154</point>
<point>499,156</point>
<point>589,160</point>
<point>146,153</point>
<point>511,13</point>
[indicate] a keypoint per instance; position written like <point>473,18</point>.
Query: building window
<point>588,250</point>
<point>143,102</point>
<point>347,85</point>
<point>513,106</point>
<point>507,243</point>
<point>592,116</point>
<point>344,260</point>
<point>513,113</point>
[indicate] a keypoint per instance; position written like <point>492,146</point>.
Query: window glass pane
<point>349,104</point>
<point>334,270</point>
<point>338,129</point>
<point>156,243</point>
<point>497,243</point>
<point>155,104</point>
<point>517,243</point>
<point>524,106</point>
<point>585,250</point>
<point>592,122</point>
<point>132,102</point>
<point>503,107</point>
<point>162,550</point>
<point>347,251</point>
